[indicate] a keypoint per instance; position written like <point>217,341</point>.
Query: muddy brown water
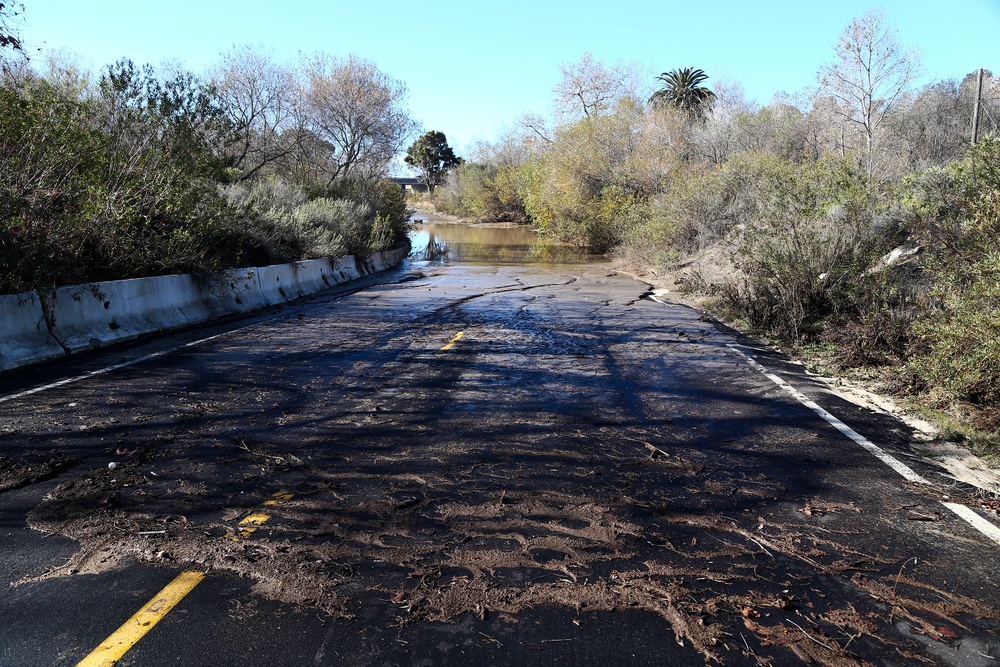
<point>451,242</point>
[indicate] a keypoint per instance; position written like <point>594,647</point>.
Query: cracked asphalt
<point>460,463</point>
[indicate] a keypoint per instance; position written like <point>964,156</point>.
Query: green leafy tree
<point>682,89</point>
<point>432,155</point>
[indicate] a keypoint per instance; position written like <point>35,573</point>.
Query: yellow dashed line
<point>252,522</point>
<point>114,647</point>
<point>117,645</point>
<point>279,497</point>
<point>454,340</point>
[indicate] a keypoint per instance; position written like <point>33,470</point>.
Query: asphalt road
<point>457,464</point>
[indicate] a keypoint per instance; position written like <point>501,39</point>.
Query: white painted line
<point>963,512</point>
<point>978,522</point>
<point>906,471</point>
<point>102,371</point>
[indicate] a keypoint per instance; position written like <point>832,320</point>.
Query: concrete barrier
<point>380,261</point>
<point>238,291</point>
<point>24,335</point>
<point>283,282</point>
<point>88,316</point>
<point>82,317</point>
<point>345,269</point>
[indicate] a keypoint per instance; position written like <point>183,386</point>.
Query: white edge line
<point>131,362</point>
<point>906,471</point>
<point>974,520</point>
<point>963,512</point>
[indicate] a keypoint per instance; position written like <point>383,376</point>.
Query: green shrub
<point>485,192</point>
<point>331,228</point>
<point>380,198</point>
<point>668,259</point>
<point>957,216</point>
<point>805,246</point>
<point>383,233</point>
<point>874,325</point>
<point>118,185</point>
<point>134,176</point>
<point>392,216</point>
<point>687,217</point>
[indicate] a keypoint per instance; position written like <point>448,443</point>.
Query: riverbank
<point>425,213</point>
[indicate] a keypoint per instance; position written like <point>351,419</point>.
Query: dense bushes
<point>805,245</point>
<point>355,216</point>
<point>957,216</point>
<point>590,185</point>
<point>136,176</point>
<point>491,189</point>
<point>113,186</point>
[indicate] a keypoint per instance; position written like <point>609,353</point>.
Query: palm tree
<point>681,88</point>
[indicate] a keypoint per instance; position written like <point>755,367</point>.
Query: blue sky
<point>471,68</point>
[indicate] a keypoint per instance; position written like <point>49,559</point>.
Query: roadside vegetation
<point>138,171</point>
<point>854,222</point>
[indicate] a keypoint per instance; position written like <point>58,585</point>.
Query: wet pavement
<point>486,461</point>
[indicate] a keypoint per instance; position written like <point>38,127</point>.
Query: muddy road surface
<point>460,463</point>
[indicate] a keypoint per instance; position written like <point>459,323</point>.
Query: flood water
<point>452,242</point>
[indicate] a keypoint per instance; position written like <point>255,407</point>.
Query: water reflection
<point>443,242</point>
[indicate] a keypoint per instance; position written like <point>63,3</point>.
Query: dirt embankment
<point>425,212</point>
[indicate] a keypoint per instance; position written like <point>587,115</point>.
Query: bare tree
<point>933,129</point>
<point>356,116</point>
<point>536,125</point>
<point>718,137</point>
<point>259,97</point>
<point>827,131</point>
<point>511,149</point>
<point>869,75</point>
<point>588,87</point>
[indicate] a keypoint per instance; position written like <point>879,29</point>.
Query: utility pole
<point>975,108</point>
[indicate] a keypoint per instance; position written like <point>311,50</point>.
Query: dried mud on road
<point>538,464</point>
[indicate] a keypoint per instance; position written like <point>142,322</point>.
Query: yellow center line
<point>254,520</point>
<point>250,524</point>
<point>124,638</point>
<point>279,497</point>
<point>454,340</point>
<point>114,647</point>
